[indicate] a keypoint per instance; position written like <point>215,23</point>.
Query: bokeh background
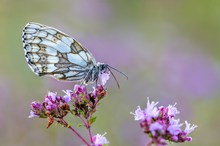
<point>170,49</point>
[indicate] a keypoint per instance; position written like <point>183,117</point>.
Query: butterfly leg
<point>87,78</point>
<point>96,82</point>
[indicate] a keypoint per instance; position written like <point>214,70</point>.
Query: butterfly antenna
<point>118,71</point>
<point>114,78</point>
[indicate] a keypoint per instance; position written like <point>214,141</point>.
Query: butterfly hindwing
<point>51,52</point>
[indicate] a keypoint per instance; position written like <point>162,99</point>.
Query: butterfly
<point>49,51</point>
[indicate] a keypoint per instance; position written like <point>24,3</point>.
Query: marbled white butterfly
<point>49,51</point>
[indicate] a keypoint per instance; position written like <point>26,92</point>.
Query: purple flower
<point>174,127</point>
<point>174,138</point>
<point>51,106</point>
<point>36,106</point>
<point>104,77</point>
<point>55,108</point>
<point>37,110</point>
<point>68,95</point>
<point>99,91</point>
<point>139,114</point>
<point>32,114</point>
<point>172,110</point>
<point>52,96</point>
<point>151,110</point>
<point>99,140</point>
<point>169,111</point>
<point>51,101</point>
<point>155,127</point>
<point>189,129</point>
<point>78,89</point>
<point>160,123</point>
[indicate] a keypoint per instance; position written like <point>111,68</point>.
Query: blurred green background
<point>168,48</point>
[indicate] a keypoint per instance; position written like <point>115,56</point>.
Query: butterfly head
<point>104,68</point>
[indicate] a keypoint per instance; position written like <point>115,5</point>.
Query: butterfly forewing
<point>51,52</point>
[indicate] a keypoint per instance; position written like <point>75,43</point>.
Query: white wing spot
<point>57,46</point>
<point>29,30</point>
<point>28,47</point>
<point>70,73</point>
<point>51,68</point>
<point>52,59</point>
<point>35,48</point>
<point>51,51</point>
<point>51,31</point>
<point>35,41</point>
<point>32,25</point>
<point>76,59</point>
<point>58,76</point>
<point>34,57</point>
<point>41,34</point>
<point>83,55</point>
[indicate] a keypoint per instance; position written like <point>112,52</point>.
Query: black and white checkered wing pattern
<point>49,51</point>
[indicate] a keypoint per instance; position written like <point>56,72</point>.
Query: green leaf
<point>81,112</point>
<point>69,124</point>
<point>80,125</point>
<point>92,120</point>
<point>72,112</point>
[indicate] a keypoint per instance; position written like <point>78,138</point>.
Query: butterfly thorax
<point>93,74</point>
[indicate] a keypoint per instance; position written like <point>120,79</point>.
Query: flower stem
<point>87,125</point>
<point>90,134</point>
<point>74,131</point>
<point>80,137</point>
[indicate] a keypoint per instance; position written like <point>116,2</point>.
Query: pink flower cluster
<point>78,102</point>
<point>52,106</point>
<point>160,124</point>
